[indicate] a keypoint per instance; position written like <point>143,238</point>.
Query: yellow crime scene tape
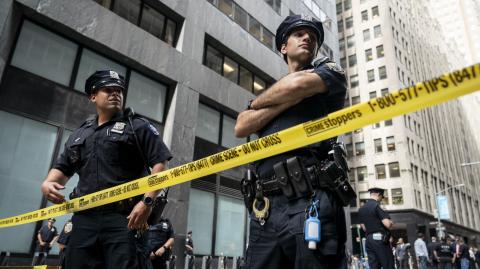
<point>421,95</point>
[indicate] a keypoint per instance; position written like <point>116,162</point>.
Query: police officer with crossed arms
<point>377,224</point>
<point>107,150</point>
<point>301,179</point>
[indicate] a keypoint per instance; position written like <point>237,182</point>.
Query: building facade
<point>385,46</point>
<point>191,66</point>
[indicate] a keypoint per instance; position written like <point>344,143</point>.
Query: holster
<point>338,182</point>
<point>248,188</point>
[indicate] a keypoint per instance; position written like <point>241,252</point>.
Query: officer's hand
<point>139,215</point>
<point>42,244</point>
<point>152,256</point>
<point>50,191</point>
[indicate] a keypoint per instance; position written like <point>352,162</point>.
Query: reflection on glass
<point>213,59</point>
<point>230,69</point>
<point>229,140</point>
<point>152,21</point>
<point>200,220</point>
<point>246,79</point>
<point>258,85</point>
<point>128,9</point>
<point>207,124</point>
<point>44,53</point>
<point>230,227</point>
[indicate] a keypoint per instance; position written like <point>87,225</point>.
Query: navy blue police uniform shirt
<point>107,155</point>
<point>159,234</point>
<point>311,108</point>
<point>47,234</point>
<point>371,215</point>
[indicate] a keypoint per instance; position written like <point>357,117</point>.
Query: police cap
<point>377,190</point>
<point>104,78</point>
<point>295,21</point>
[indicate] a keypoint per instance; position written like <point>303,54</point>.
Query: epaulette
<point>89,120</point>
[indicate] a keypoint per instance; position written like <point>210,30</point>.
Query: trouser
<point>159,263</point>
<point>422,262</point>
<point>379,254</point>
<point>101,239</point>
<point>280,242</point>
<point>40,255</point>
<point>403,264</point>
<point>464,263</point>
<point>444,265</point>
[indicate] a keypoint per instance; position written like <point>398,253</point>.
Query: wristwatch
<point>147,200</point>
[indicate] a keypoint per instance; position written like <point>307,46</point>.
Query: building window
<point>380,52</point>
<point>233,71</point>
<point>397,196</point>
<point>353,81</point>
<point>382,72</point>
<point>390,142</point>
<point>259,85</point>
<point>229,140</point>
<point>339,8</point>
<point>377,31</point>
<point>44,53</point>
<point>347,4</point>
<point>384,91</point>
<point>255,28</point>
<point>371,75</point>
<point>376,125</point>
<point>359,148</point>
<point>350,41</point>
<point>362,173</point>
<point>23,160</point>
<point>246,79</point>
<point>349,148</point>
<point>366,34</point>
<point>351,175</point>
<point>343,62</point>
<point>385,200</point>
<point>349,22</point>
<point>340,25</point>
<point>372,95</point>
<point>352,60</point>
<point>200,220</point>
<point>147,96</point>
<point>394,169</point>
<point>213,59</point>
<point>355,100</point>
<point>247,22</point>
<point>375,12</point>
<point>380,171</point>
<point>378,145</point>
<point>368,55</point>
<point>389,122</point>
<point>230,227</point>
<point>208,123</point>
<point>364,15</point>
<point>148,18</point>
<point>241,17</point>
<point>341,44</point>
<point>275,4</point>
<point>230,69</point>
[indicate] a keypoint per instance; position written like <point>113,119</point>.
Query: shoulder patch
<point>334,67</point>
<point>153,129</point>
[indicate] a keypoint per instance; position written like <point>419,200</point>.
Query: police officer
<point>189,249</point>
<point>377,224</point>
<point>309,91</point>
<point>107,150</point>
<point>46,236</point>
<point>160,241</point>
<point>62,241</point>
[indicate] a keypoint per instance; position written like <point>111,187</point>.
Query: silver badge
<point>165,225</point>
<point>114,74</point>
<point>306,17</point>
<point>119,127</point>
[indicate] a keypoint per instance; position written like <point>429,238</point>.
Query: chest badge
<point>118,128</point>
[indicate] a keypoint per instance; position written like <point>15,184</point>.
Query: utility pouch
<point>298,176</point>
<point>283,180</point>
<point>336,178</point>
<point>248,188</point>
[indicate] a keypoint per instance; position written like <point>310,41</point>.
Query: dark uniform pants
<point>445,265</point>
<point>101,240</point>
<point>379,254</point>
<point>159,263</point>
<point>280,243</point>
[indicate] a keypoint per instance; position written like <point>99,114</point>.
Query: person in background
<point>62,241</point>
<point>46,236</point>
<point>421,252</point>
